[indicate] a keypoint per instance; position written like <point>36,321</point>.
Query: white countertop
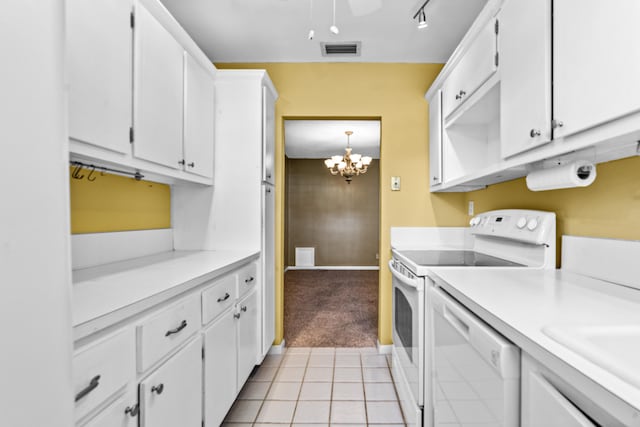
<point>519,303</point>
<point>107,294</point>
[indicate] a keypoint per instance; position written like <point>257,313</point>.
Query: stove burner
<point>456,259</point>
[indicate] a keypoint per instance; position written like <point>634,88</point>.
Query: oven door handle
<point>407,281</point>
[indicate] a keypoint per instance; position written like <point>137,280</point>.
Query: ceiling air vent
<point>340,49</point>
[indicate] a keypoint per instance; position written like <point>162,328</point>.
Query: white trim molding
<point>383,349</point>
<point>278,348</point>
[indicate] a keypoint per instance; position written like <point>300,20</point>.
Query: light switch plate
<point>395,183</point>
<point>471,208</point>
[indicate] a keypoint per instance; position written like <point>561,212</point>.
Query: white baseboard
<point>334,267</point>
<point>383,349</point>
<point>278,349</point>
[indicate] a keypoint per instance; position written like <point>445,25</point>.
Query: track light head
<point>334,29</point>
<point>422,20</point>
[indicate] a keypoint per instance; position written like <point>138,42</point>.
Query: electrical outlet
<point>471,208</point>
<point>395,183</point>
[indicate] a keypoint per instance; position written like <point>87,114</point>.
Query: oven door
<point>408,340</point>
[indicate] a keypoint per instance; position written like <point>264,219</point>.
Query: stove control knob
<point>472,222</point>
<point>522,221</point>
<point>532,224</point>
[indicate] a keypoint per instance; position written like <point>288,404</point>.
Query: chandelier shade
<point>349,165</point>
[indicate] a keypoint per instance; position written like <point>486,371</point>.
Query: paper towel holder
<point>576,173</point>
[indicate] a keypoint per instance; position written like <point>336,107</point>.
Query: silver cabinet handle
<point>557,123</point>
<point>268,190</point>
<point>237,315</point>
<point>269,176</point>
<point>176,330</point>
<point>158,389</point>
<point>243,308</point>
<point>192,164</point>
<point>181,162</point>
<point>249,280</point>
<point>458,96</point>
<point>93,384</point>
<point>534,133</point>
<point>435,178</point>
<point>225,297</point>
<point>132,411</point>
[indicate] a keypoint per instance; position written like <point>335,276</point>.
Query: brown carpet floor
<point>330,308</point>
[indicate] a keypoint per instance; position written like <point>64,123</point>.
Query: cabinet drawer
<point>218,297</point>
<point>121,413</point>
<point>169,328</point>
<point>247,278</point>
<point>101,369</point>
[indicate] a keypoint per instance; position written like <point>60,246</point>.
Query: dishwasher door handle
<point>493,347</point>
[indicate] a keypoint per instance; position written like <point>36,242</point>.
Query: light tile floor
<point>319,387</point>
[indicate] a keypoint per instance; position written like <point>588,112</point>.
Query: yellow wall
<point>118,203</point>
<point>395,94</point>
<point>610,207</point>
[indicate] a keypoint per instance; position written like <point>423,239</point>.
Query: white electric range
<point>507,239</point>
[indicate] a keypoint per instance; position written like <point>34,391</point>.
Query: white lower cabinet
<point>231,346</point>
<point>101,369</point>
<point>220,368</point>
<point>248,335</point>
<point>121,413</point>
<point>172,395</point>
<point>189,367</point>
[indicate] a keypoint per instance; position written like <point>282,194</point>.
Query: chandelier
<point>348,165</point>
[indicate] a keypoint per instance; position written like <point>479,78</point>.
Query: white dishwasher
<point>476,371</point>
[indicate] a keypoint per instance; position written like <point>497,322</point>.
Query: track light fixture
<point>422,16</point>
<point>333,28</point>
<point>422,20</point>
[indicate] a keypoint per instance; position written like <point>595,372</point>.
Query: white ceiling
<point>320,139</point>
<point>276,30</point>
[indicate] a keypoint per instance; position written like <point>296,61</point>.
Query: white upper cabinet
<point>158,92</point>
<point>198,118</point>
<point>478,63</point>
<point>524,43</point>
<point>435,139</point>
<point>596,63</point>
<point>268,135</point>
<point>99,65</point>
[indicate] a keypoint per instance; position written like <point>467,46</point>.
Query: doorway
<point>332,228</point>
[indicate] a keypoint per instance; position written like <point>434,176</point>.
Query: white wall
<point>35,284</point>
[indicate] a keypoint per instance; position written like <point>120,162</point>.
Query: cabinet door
<point>268,135</point>
<point>267,281</point>
<point>435,139</point>
<point>121,413</point>
<point>524,45</point>
<point>478,63</point>
<point>172,395</point>
<point>100,66</point>
<point>198,118</point>
<point>158,92</point>
<point>248,335</point>
<point>547,407</point>
<point>220,369</point>
<point>596,62</point>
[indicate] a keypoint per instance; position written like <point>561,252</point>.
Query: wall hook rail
<point>76,174</point>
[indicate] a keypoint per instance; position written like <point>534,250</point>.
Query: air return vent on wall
<point>340,49</point>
